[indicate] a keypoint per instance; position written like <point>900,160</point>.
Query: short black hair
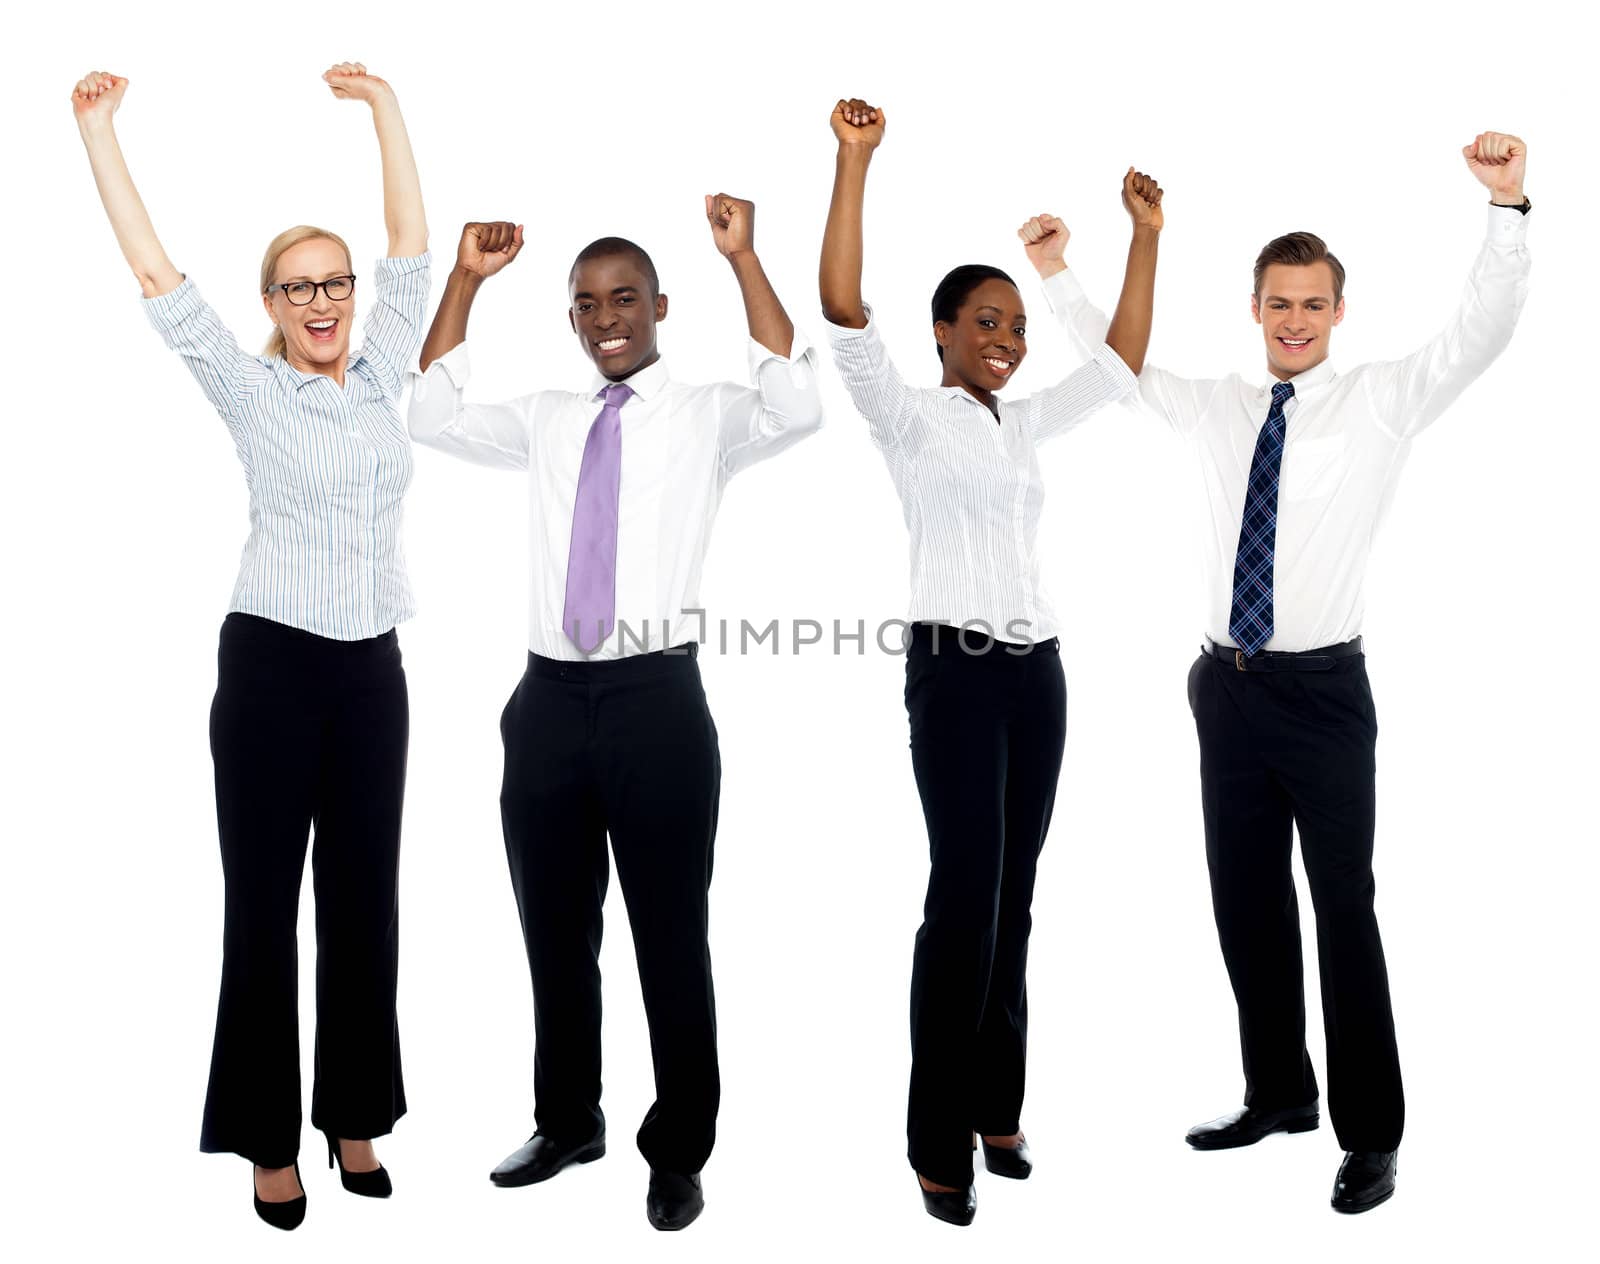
<point>606,247</point>
<point>957,287</point>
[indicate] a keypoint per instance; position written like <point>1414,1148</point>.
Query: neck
<point>642,365</point>
<point>335,370</point>
<point>986,398</point>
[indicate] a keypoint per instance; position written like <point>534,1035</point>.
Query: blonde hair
<point>269,266</point>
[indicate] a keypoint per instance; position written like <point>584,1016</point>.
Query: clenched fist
<point>486,248</point>
<point>1044,238</point>
<point>1141,196</point>
<point>855,122</point>
<point>733,223</point>
<point>96,96</point>
<point>1498,160</point>
<point>350,80</point>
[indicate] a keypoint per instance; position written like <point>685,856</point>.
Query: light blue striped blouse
<point>326,467</point>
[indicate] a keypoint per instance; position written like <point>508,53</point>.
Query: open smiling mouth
<point>1295,344</point>
<point>610,346</point>
<point>1002,367</point>
<point>322,330</point>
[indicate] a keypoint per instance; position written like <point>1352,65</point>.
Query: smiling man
<point>608,732</point>
<point>1298,474</point>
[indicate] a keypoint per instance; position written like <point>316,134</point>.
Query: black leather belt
<point>1297,660</point>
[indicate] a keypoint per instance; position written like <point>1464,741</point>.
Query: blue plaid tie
<point>1250,620</point>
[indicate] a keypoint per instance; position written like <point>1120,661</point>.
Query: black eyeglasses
<point>302,292</point>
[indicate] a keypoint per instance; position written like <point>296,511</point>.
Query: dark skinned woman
<point>984,688</point>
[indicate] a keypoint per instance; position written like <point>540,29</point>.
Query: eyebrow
<point>1281,298</point>
<point>990,307</point>
<point>306,277</point>
<point>621,289</point>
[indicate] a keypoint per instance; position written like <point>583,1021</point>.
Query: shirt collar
<point>298,379</point>
<point>646,383</point>
<point>1318,375</point>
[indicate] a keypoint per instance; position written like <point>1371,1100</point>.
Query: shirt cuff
<point>846,333</point>
<point>453,363</point>
<point>169,310</point>
<point>404,266</point>
<point>799,349</point>
<point>1120,373</point>
<point>1507,226</point>
<point>1062,292</point>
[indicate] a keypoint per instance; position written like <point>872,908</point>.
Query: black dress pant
<point>1282,750</point>
<point>624,747</point>
<point>306,732</point>
<point>988,726</point>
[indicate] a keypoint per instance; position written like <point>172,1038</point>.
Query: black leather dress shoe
<point>1247,1125</point>
<point>957,1208</point>
<point>1013,1161</point>
<point>542,1158</point>
<point>1366,1178</point>
<point>673,1202</point>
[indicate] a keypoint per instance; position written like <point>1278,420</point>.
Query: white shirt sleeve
<point>784,407</point>
<point>394,324</point>
<point>880,393</point>
<point>1180,402</point>
<point>1084,391</point>
<point>496,435</point>
<point>189,326</point>
<point>1409,394</point>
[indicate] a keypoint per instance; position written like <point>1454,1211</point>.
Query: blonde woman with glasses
<point>310,721</point>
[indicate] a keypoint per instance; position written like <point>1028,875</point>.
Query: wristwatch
<point>1525,206</point>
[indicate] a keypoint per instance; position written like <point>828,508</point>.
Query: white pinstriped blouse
<point>326,467</point>
<point>970,490</point>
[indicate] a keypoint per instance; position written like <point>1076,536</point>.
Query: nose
<point>1005,342</point>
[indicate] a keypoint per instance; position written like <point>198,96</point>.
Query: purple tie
<point>591,610</point>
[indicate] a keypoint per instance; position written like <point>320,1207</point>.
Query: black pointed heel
<point>957,1207</point>
<point>1011,1161</point>
<point>373,1184</point>
<point>280,1215</point>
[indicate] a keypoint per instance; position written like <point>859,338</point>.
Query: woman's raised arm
<point>94,100</point>
<point>859,128</point>
<point>402,188</point>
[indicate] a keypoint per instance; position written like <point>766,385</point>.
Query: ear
<point>1255,308</point>
<point>266,302</point>
<point>1338,311</point>
<point>941,332</point>
<point>661,307</point>
<point>572,320</point>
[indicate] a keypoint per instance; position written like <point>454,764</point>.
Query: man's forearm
<point>769,323</point>
<point>449,328</point>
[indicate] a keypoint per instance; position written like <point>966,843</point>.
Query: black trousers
<point>627,748</point>
<point>306,732</point>
<point>987,731</point>
<point>1280,751</point>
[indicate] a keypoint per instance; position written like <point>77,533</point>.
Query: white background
<point>123,513</point>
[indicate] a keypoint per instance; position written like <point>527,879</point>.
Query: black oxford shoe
<point>542,1157</point>
<point>1366,1178</point>
<point>673,1201</point>
<point>1013,1161</point>
<point>1247,1125</point>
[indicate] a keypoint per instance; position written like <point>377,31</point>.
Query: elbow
<point>849,315</point>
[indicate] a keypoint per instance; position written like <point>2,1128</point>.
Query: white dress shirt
<point>970,489</point>
<point>1346,437</point>
<point>680,445</point>
<point>326,467</point>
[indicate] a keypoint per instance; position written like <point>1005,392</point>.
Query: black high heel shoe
<point>373,1184</point>
<point>281,1215</point>
<point>957,1207</point>
<point>1013,1161</point>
